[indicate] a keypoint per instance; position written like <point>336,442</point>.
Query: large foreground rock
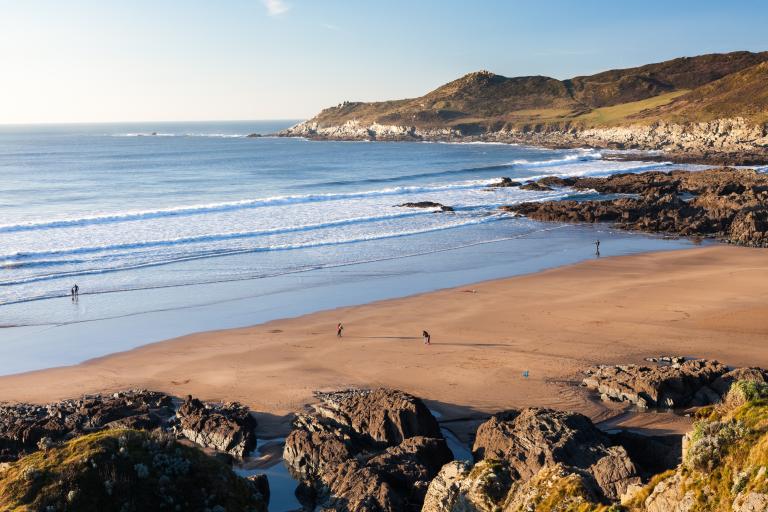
<point>228,428</point>
<point>533,438</point>
<point>534,457</point>
<point>366,450</point>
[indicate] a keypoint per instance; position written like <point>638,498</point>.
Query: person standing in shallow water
<point>597,247</point>
<point>427,338</point>
<point>339,329</point>
<point>75,292</point>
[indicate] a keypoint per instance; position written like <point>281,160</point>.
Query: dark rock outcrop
<point>261,484</point>
<point>23,426</point>
<point>728,204</point>
<point>505,183</point>
<point>366,450</point>
<point>678,385</point>
<point>531,439</point>
<point>427,204</point>
<point>228,427</point>
<point>535,186</point>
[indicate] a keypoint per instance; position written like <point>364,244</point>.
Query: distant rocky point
<point>710,107</point>
<point>727,204</point>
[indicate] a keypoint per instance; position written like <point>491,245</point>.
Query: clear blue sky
<point>82,61</point>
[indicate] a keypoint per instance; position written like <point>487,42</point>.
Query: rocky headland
<point>726,204</point>
<point>710,108</point>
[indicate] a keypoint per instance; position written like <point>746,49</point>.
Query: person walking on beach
<point>75,292</point>
<point>427,338</point>
<point>597,247</point>
<point>339,328</point>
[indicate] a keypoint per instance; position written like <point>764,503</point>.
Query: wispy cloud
<point>276,7</point>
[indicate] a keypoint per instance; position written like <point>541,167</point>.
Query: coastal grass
<point>620,114</point>
<point>123,470</point>
<point>727,455</point>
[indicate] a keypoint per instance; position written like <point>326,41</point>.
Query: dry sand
<point>707,302</point>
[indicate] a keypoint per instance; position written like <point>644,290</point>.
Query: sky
<point>184,60</point>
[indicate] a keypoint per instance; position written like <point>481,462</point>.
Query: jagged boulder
<point>367,450</point>
<point>385,415</point>
<point>461,487</point>
<point>22,426</point>
<point>677,385</point>
<point>555,487</point>
<point>228,427</point>
<point>669,495</point>
<point>749,227</point>
<point>533,438</point>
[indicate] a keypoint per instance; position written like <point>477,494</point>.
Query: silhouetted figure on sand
<point>339,329</point>
<point>427,338</point>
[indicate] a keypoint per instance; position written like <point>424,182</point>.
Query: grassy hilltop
<point>687,89</point>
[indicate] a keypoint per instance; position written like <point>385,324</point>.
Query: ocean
<point>154,219</point>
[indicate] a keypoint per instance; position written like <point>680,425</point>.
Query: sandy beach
<point>707,302</point>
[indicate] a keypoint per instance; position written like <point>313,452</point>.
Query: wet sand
<point>706,302</point>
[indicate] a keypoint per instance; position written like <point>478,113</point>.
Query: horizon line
<point>62,123</point>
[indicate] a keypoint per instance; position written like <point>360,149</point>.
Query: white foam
<point>275,247</point>
<point>27,258</point>
<point>236,205</point>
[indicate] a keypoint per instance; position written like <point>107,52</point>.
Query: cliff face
<point>729,135</point>
<point>703,105</point>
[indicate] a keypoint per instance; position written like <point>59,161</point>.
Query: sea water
<point>169,228</point>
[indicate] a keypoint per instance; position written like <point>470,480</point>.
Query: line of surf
<point>182,211</point>
<point>296,270</point>
<point>277,247</point>
<point>28,258</point>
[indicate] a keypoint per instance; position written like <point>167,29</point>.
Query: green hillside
<point>683,90</point>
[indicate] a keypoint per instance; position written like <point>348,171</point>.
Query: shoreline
<point>552,323</point>
<point>650,153</point>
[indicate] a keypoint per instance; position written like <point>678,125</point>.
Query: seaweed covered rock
<point>24,426</point>
<point>228,427</point>
<point>366,450</point>
<point>127,471</point>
